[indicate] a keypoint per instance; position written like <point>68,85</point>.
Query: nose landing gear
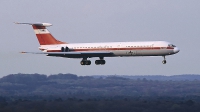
<point>164,61</point>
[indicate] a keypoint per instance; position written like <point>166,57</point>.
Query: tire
<point>97,62</point>
<point>82,62</point>
<point>103,62</point>
<point>164,61</point>
<point>88,62</point>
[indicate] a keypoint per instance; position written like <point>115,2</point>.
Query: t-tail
<point>43,35</point>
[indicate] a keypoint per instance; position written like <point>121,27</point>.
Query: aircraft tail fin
<point>43,35</point>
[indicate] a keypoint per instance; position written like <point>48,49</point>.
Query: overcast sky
<point>77,21</point>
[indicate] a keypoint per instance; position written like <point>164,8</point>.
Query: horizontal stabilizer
<point>36,24</point>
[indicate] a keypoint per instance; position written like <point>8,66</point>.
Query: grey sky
<point>176,21</point>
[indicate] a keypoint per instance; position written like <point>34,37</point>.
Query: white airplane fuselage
<point>148,48</point>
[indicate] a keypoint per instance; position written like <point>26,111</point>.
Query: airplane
<point>53,47</point>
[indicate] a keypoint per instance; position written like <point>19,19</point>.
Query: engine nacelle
<point>65,49</point>
<point>62,49</point>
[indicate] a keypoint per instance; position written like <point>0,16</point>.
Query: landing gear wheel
<point>88,62</point>
<point>100,62</point>
<point>85,62</point>
<point>103,62</point>
<point>164,61</point>
<point>82,62</point>
<point>97,62</point>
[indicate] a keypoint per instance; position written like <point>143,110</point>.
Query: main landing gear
<point>164,61</point>
<point>101,61</point>
<point>85,62</point>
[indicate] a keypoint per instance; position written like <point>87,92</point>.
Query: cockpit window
<point>171,45</point>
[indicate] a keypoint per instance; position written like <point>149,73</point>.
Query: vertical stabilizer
<point>43,35</point>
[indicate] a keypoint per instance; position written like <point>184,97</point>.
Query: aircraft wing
<point>74,54</point>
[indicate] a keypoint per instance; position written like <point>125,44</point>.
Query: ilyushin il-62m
<point>53,47</point>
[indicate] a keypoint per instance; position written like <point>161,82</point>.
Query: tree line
<point>69,92</point>
<point>71,84</point>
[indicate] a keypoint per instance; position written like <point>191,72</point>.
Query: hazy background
<point>176,21</point>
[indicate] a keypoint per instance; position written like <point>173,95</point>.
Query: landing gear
<point>164,61</point>
<point>100,62</point>
<point>85,62</point>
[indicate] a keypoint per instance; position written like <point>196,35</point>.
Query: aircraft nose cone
<point>176,50</point>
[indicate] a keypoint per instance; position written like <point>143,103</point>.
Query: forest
<point>73,93</point>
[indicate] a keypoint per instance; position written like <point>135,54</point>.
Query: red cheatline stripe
<point>111,49</point>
